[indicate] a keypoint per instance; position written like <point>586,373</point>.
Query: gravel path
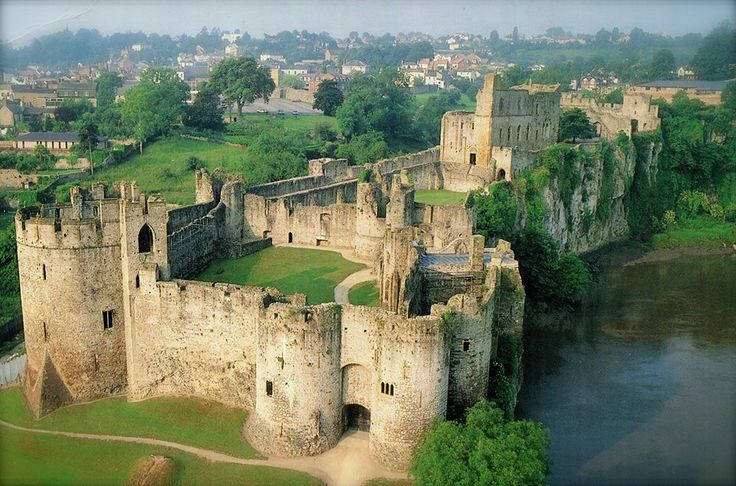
<point>343,288</point>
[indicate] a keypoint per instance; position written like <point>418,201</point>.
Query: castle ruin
<point>108,307</point>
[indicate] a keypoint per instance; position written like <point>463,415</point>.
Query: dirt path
<point>343,288</point>
<point>349,463</point>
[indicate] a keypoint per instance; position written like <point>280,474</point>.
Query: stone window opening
<point>269,388</point>
<point>387,389</point>
<point>291,237</point>
<point>518,132</point>
<point>145,239</point>
<point>472,159</point>
<point>107,319</point>
<point>43,270</point>
<point>45,333</point>
<point>137,281</point>
<point>466,344</point>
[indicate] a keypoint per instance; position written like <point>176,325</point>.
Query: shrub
<point>194,163</point>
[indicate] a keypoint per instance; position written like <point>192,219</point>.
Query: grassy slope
<point>466,103</point>
<point>9,304</point>
<point>364,293</point>
<point>163,168</point>
<point>40,459</point>
<point>439,197</point>
<point>192,421</point>
<point>701,231</point>
<point>291,270</point>
<point>295,122</point>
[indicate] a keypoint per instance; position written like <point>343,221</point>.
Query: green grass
<point>290,121</point>
<point>162,168</point>
<point>364,293</point>
<point>439,197</point>
<point>27,458</point>
<point>701,231</point>
<point>291,270</point>
<point>191,421</point>
<point>6,219</point>
<point>466,103</point>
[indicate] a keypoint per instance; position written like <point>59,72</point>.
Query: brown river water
<point>640,387</point>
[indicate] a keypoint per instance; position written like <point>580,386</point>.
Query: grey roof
<point>27,88</point>
<point>12,106</point>
<point>685,84</point>
<point>48,137</point>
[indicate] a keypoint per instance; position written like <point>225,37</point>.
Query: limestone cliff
<point>580,193</point>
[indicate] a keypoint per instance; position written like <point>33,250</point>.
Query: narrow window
<point>145,239</point>
<point>291,237</point>
<point>107,317</point>
<point>45,333</point>
<point>269,388</point>
<point>466,344</point>
<point>137,281</point>
<point>392,390</point>
<point>383,387</point>
<point>472,159</point>
<point>43,269</point>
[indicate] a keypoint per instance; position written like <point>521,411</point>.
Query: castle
<point>108,308</point>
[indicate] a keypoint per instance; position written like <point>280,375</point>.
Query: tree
<point>155,105</point>
<point>205,113</point>
<point>663,65</point>
<point>107,84</point>
<point>328,97</point>
<point>486,449</point>
<point>716,58</point>
<point>381,103</point>
<point>88,137</point>
<point>429,116</point>
<point>574,124</point>
<point>292,81</point>
<point>494,38</point>
<point>616,96</point>
<point>514,76</point>
<point>363,149</point>
<point>602,37</point>
<point>242,81</point>
<point>515,35</point>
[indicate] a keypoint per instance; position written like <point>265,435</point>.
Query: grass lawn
<point>289,121</point>
<point>466,103</point>
<point>291,270</point>
<point>192,421</point>
<point>439,197</point>
<point>701,231</point>
<point>364,293</point>
<point>27,458</point>
<point>162,168</point>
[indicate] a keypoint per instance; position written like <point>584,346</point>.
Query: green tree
<point>496,213</point>
<point>205,113</point>
<point>716,58</point>
<point>328,97</point>
<point>616,96</point>
<point>155,105</point>
<point>514,76</point>
<point>487,449</point>
<point>663,65</point>
<point>381,103</point>
<point>292,81</point>
<point>362,149</point>
<point>242,81</point>
<point>88,137</point>
<point>107,85</point>
<point>574,124</point>
<point>429,115</point>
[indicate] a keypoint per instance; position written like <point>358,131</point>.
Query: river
<point>641,386</point>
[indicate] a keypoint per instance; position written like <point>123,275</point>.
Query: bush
<point>195,163</point>
<point>486,449</point>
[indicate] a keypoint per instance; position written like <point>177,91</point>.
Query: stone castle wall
<point>636,113</point>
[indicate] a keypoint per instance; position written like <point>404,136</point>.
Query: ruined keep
<point>635,114</point>
<point>504,134</point>
<point>125,319</point>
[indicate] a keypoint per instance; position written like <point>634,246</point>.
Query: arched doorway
<point>357,417</point>
<point>501,175</point>
<point>145,239</point>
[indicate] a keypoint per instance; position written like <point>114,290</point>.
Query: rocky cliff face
<point>585,193</point>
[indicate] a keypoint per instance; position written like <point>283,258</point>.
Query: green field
<point>288,121</point>
<point>162,168</point>
<point>192,421</point>
<point>27,458</point>
<point>701,231</point>
<point>466,103</point>
<point>364,293</point>
<point>439,197</point>
<point>291,270</point>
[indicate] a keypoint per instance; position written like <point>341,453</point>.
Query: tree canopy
<point>155,105</point>
<point>328,97</point>
<point>716,58</point>
<point>205,113</point>
<point>574,124</point>
<point>485,450</point>
<point>381,103</point>
<point>106,86</point>
<point>241,81</point>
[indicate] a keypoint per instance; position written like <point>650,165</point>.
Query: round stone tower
<point>370,223</point>
<point>298,405</point>
<point>71,290</point>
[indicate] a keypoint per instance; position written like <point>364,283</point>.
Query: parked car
<point>261,110</point>
<point>294,112</point>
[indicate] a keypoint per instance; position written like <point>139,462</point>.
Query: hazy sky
<point>21,20</point>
